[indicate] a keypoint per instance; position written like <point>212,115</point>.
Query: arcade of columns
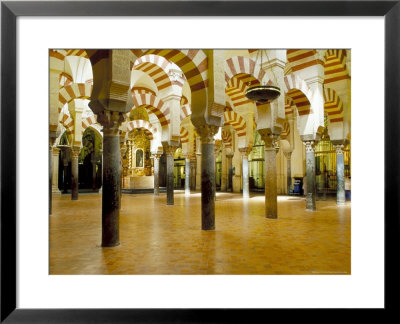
<point>195,100</point>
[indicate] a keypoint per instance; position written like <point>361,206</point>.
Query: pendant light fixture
<point>263,93</point>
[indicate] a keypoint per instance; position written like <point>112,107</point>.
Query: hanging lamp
<point>263,93</point>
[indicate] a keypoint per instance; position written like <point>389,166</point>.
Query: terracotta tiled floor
<point>160,239</point>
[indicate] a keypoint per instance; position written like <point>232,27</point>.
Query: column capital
<point>110,120</point>
<point>156,155</point>
<point>207,133</point>
<point>169,149</point>
<point>245,151</point>
<point>75,150</point>
<point>339,148</point>
<point>52,141</point>
<point>288,155</point>
<point>310,146</point>
<point>56,151</point>
<point>268,137</point>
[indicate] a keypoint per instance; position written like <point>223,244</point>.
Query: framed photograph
<point>33,290</point>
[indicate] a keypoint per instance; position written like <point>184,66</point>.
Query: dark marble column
<point>55,170</point>
<point>101,171</point>
<point>187,176</point>
<point>340,193</point>
<point>271,199</point>
<point>193,172</point>
<point>216,152</point>
<point>207,133</point>
<point>230,173</point>
<point>65,169</point>
<point>156,174</point>
<point>310,173</point>
<point>245,171</point>
<point>170,151</point>
<point>288,156</point>
<point>74,173</point>
<point>93,160</point>
<point>198,170</point>
<point>51,143</point>
<point>111,187</point>
<point>122,149</point>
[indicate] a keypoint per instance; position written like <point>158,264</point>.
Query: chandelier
<point>263,93</point>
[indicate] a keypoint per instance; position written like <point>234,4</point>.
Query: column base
<point>56,192</point>
<point>340,203</point>
<point>110,245</point>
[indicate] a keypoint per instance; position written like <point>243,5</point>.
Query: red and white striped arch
<point>67,121</point>
<point>65,79</point>
<point>186,110</point>
<point>184,135</point>
<point>73,91</point>
<point>88,121</point>
<point>300,59</point>
<point>333,105</point>
<point>242,65</point>
<point>153,105</point>
<point>193,64</point>
<point>236,88</point>
<point>156,67</point>
<point>298,90</point>
<point>285,131</point>
<point>148,128</point>
<point>241,72</point>
<point>62,53</point>
<point>335,65</point>
<point>226,138</point>
<point>184,100</point>
<point>237,121</point>
<point>288,106</point>
<point>142,90</point>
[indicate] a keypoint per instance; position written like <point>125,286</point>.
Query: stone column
<point>122,151</point>
<point>65,168</point>
<point>245,170</point>
<point>310,173</point>
<point>288,156</point>
<point>193,172</point>
<point>187,175</point>
<point>93,160</point>
<point>55,166</point>
<point>156,174</point>
<point>216,152</point>
<point>271,199</point>
<point>51,143</point>
<point>224,171</point>
<point>170,151</point>
<point>111,185</point>
<point>340,193</point>
<point>207,133</point>
<point>229,186</point>
<point>198,171</point>
<point>102,168</point>
<point>129,156</point>
<point>74,172</point>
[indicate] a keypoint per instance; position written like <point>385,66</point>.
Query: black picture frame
<point>11,10</point>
